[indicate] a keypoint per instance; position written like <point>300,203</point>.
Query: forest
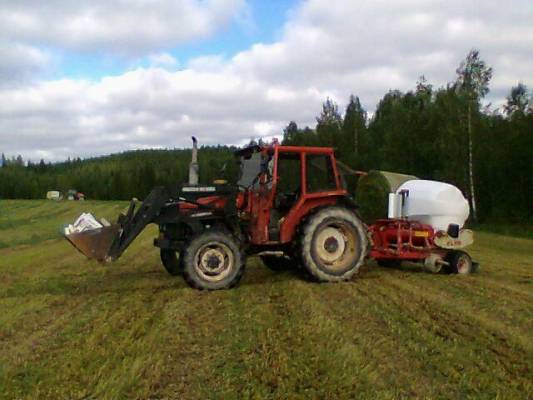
<point>446,133</point>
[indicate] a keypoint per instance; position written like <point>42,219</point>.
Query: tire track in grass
<point>44,332</point>
<point>229,346</point>
<point>37,330</point>
<point>423,374</point>
<point>500,370</point>
<point>130,331</point>
<point>415,341</point>
<point>28,295</point>
<point>263,312</point>
<point>363,334</point>
<point>485,293</point>
<point>266,338</point>
<point>487,296</point>
<point>288,344</point>
<point>491,321</point>
<point>62,349</point>
<point>196,347</point>
<point>200,358</point>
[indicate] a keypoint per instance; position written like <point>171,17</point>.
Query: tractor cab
<point>282,185</point>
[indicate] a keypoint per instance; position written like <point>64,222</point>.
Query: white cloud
<point>326,49</point>
<point>121,26</point>
<point>19,62</point>
<point>163,60</point>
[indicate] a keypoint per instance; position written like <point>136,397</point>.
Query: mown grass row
<point>71,328</point>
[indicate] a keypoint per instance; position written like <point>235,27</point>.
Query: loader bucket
<point>95,243</point>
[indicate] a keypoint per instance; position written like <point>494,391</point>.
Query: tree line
<point>440,133</point>
<point>116,177</point>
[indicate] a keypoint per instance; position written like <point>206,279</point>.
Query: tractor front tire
<point>212,261</point>
<point>171,261</point>
<point>334,245</point>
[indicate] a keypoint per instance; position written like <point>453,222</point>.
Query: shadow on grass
<point>131,281</point>
<point>154,281</point>
<point>410,267</point>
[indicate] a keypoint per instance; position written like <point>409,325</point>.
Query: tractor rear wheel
<point>334,245</point>
<point>212,261</point>
<point>171,261</point>
<point>459,262</point>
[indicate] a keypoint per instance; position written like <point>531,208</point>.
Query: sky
<point>93,77</point>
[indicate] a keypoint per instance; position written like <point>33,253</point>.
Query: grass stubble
<point>71,328</point>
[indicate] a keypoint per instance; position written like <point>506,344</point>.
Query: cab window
<point>289,173</point>
<point>320,176</point>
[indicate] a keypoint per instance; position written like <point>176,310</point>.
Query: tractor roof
<point>254,148</point>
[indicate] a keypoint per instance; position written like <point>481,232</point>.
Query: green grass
<point>71,328</point>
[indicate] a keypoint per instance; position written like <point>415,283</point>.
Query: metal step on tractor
<point>289,205</point>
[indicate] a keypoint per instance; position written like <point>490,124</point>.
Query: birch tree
<point>473,77</point>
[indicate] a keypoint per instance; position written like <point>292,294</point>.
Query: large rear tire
<point>212,261</point>
<point>171,261</point>
<point>334,245</point>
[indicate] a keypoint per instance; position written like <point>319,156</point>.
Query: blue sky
<point>261,22</point>
<point>90,77</point>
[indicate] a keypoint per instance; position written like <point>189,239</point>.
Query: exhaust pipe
<point>193,166</point>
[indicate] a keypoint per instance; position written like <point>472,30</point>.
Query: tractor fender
<point>296,218</point>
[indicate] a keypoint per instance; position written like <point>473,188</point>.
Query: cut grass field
<point>71,328</point>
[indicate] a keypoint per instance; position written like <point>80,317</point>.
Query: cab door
<point>262,198</point>
<point>287,190</point>
<point>320,186</point>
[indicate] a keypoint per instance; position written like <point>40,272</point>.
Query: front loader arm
<point>133,223</point>
<point>160,206</point>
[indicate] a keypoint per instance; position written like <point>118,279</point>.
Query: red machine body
<point>400,239</point>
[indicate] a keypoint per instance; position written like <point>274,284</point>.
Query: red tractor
<point>288,205</point>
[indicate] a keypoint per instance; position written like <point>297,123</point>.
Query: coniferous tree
<point>290,134</point>
<point>353,130</point>
<point>329,124</point>
<point>19,162</point>
<point>518,101</point>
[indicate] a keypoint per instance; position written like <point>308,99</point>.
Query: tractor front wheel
<point>334,244</point>
<point>171,261</point>
<point>212,261</point>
